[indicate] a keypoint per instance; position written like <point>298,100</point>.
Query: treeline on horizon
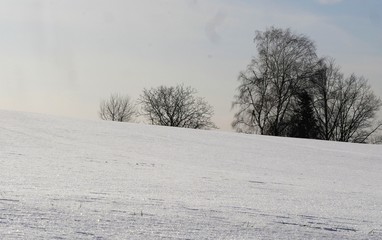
<point>286,90</point>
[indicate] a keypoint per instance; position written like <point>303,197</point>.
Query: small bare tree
<point>345,107</point>
<point>357,110</point>
<point>177,107</point>
<point>117,108</point>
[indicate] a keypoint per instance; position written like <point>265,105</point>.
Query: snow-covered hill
<point>75,179</point>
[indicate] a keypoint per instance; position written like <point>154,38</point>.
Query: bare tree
<point>358,107</point>
<point>117,108</point>
<point>177,107</point>
<point>345,107</point>
<point>265,95</point>
<point>325,89</point>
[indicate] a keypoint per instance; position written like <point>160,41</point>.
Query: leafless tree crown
<point>177,107</point>
<point>345,107</point>
<point>117,108</point>
<point>266,88</point>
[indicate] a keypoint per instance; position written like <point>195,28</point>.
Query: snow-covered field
<point>74,179</point>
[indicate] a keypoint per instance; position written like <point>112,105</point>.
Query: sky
<point>63,57</point>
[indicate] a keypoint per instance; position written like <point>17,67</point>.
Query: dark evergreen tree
<point>303,122</point>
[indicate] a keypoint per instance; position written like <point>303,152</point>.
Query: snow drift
<point>74,179</point>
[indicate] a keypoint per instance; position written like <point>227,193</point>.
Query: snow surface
<point>74,179</point>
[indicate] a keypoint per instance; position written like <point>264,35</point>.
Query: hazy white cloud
<point>213,25</point>
<point>329,2</point>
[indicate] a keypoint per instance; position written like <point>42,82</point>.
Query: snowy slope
<point>74,179</point>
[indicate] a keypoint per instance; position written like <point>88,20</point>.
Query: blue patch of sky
<point>361,19</point>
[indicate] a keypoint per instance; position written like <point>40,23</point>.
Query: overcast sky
<point>63,56</point>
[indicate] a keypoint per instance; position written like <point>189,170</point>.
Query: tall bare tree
<point>345,107</point>
<point>325,89</point>
<point>117,108</point>
<point>177,107</point>
<point>284,62</point>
